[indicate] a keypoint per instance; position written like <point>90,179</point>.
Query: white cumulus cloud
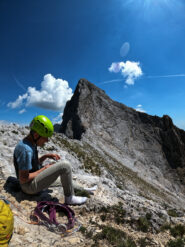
<point>53,95</point>
<point>130,70</point>
<point>139,108</point>
<point>18,102</point>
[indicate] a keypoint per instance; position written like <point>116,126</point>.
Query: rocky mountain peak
<point>76,118</point>
<point>133,133</point>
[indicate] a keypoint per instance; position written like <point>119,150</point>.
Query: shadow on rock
<point>13,187</point>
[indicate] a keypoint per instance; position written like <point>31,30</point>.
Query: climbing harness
<point>50,208</point>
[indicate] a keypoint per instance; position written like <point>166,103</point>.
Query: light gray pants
<point>48,176</point>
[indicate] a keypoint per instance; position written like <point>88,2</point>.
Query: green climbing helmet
<point>42,125</point>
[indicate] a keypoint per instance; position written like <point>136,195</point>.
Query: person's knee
<point>65,166</point>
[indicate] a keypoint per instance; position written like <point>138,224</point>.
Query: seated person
<point>32,176</point>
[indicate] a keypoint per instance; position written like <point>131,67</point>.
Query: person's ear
<point>35,135</point>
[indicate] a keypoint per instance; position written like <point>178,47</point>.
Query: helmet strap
<point>35,140</point>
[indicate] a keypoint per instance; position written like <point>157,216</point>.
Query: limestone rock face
<point>150,145</point>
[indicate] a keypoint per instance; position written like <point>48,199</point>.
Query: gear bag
<point>6,222</point>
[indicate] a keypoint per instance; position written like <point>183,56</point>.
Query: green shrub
<point>143,242</point>
<point>115,212</point>
<point>89,234</point>
<point>103,217</point>
<point>172,212</point>
<point>177,231</point>
<point>85,232</point>
<point>148,216</point>
<point>130,243</point>
<point>105,209</point>
<point>112,235</point>
<point>143,224</point>
<point>115,237</point>
<point>82,193</point>
<point>83,229</point>
<point>176,243</point>
<point>119,213</point>
<point>166,226</point>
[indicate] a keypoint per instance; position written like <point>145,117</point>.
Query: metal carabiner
<point>61,228</point>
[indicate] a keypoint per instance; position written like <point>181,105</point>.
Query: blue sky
<point>132,49</point>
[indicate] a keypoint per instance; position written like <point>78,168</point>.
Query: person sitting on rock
<point>32,176</point>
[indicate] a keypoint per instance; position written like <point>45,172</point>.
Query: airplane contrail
<point>19,83</point>
<point>149,76</point>
<point>166,76</point>
<point>115,80</point>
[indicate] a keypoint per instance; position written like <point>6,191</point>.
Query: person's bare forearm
<point>27,177</point>
<point>32,175</point>
<point>42,158</point>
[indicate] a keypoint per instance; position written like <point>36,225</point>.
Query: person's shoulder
<point>24,144</point>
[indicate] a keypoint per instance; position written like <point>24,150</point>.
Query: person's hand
<point>49,156</point>
<point>53,156</point>
<point>48,165</point>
